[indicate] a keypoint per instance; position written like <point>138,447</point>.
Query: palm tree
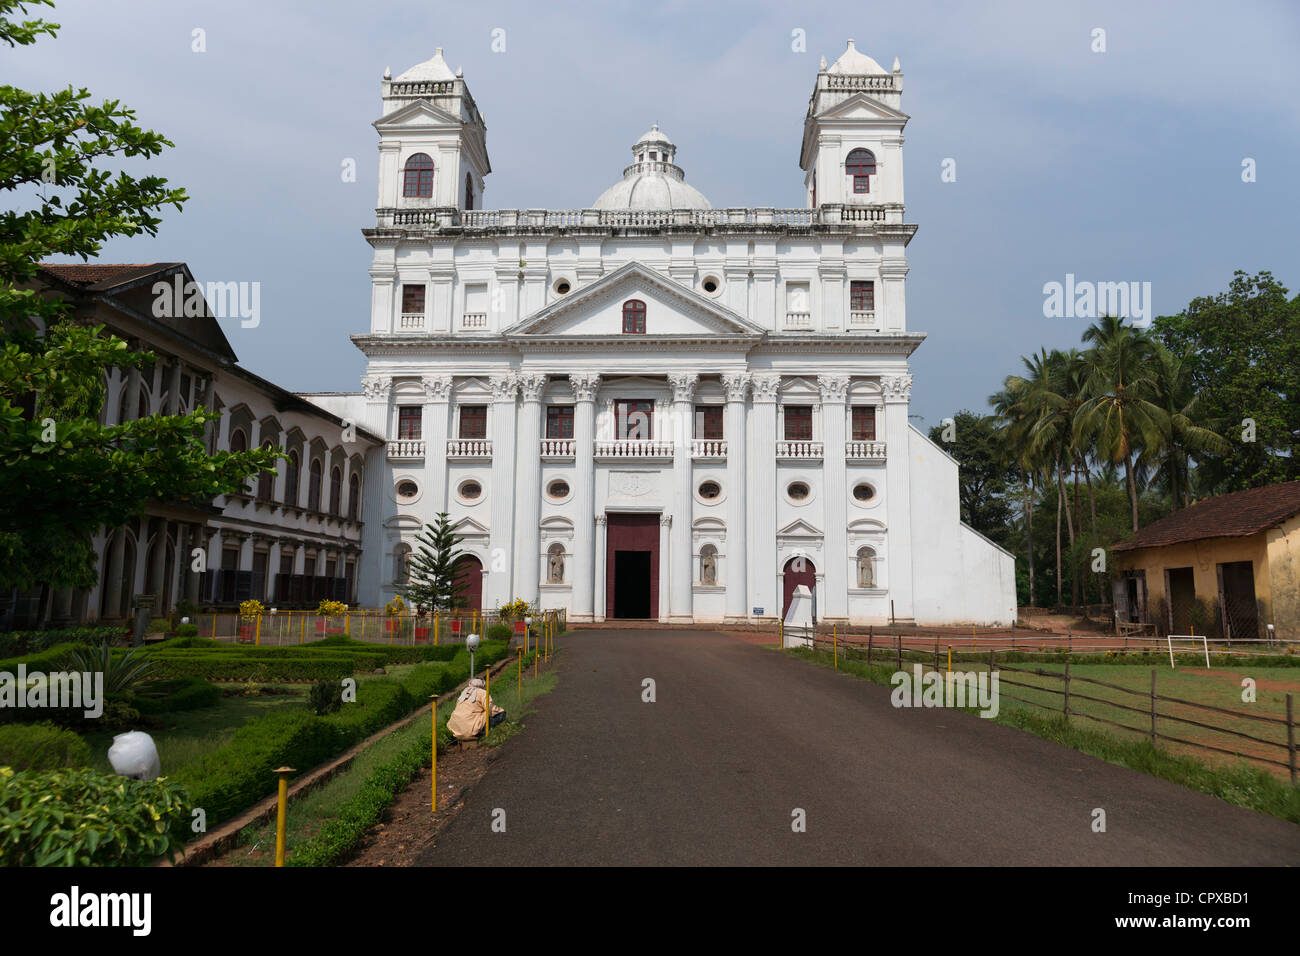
<point>1182,438</point>
<point>1119,412</point>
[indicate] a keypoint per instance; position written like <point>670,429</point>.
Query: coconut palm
<point>1182,439</point>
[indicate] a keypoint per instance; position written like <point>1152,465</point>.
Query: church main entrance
<point>632,566</point>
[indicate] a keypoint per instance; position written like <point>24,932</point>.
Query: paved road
<point>740,736</point>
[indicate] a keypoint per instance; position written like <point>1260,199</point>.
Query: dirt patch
<point>408,827</point>
<point>1260,683</point>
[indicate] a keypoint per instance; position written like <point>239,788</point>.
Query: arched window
<point>555,564</point>
<point>336,490</point>
<point>238,440</point>
<point>354,496</point>
<point>402,564</point>
<point>634,317</point>
<point>266,479</point>
<point>313,485</point>
<point>417,178</point>
<point>291,480</point>
<point>861,165</point>
<point>708,564</point>
<point>469,192</point>
<point>866,568</point>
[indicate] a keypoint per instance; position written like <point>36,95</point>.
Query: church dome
<point>652,181</point>
<point>855,63</point>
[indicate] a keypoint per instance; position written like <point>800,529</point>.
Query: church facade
<point>653,408</point>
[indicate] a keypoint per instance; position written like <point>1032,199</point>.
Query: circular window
<point>470,490</point>
<point>407,490</point>
<point>562,287</point>
<point>711,284</point>
<point>863,492</point>
<point>798,491</point>
<point>558,489</point>
<point>710,490</point>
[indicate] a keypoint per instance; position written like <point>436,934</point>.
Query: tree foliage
<point>432,581</point>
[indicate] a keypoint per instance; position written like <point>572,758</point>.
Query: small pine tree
<point>432,581</point>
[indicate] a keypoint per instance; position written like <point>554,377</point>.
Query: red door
<point>797,571</point>
<point>632,566</point>
<point>469,575</point>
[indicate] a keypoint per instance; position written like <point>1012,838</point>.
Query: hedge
<point>234,777</point>
<point>28,642</point>
<point>50,659</point>
<point>41,746</point>
<point>183,693</point>
<point>209,667</point>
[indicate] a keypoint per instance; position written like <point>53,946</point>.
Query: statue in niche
<point>555,566</point>
<point>708,565</point>
<point>866,568</point>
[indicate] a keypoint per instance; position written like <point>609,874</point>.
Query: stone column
<point>137,573</point>
<point>113,575</point>
<point>378,390</point>
<point>503,490</point>
<point>898,491</point>
<point>584,385</point>
<point>528,494</point>
<point>272,569</point>
<point>173,375</point>
<point>193,580</point>
<point>835,603</point>
<point>737,568</point>
<point>665,576</point>
<point>680,607</point>
<point>602,542</point>
<point>763,500</point>
<point>437,395</point>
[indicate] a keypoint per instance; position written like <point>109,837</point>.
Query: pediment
<point>862,108</point>
<point>867,526</point>
<point>799,529</point>
<point>418,114</point>
<point>673,311</point>
<point>469,528</point>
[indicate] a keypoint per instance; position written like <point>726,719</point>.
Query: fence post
<point>1067,688</point>
<point>1290,737</point>
<point>936,653</point>
<point>900,652</point>
<point>1153,708</point>
<point>992,661</point>
<point>869,637</point>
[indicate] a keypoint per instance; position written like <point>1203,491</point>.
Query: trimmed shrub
<point>88,818</point>
<point>41,747</point>
<point>170,696</point>
<point>186,630</point>
<point>325,697</point>
<point>500,632</point>
<point>15,643</point>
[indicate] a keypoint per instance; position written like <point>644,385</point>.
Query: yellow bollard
<point>257,632</point>
<point>487,705</point>
<point>949,659</point>
<point>519,674</point>
<point>434,794</point>
<point>214,627</point>
<point>347,625</point>
<point>302,628</point>
<point>835,644</point>
<point>280,812</point>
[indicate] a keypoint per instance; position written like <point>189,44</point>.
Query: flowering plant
<point>395,606</point>
<point>251,608</point>
<point>329,608</point>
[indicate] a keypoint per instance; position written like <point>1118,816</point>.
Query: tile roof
<point>100,276</point>
<point>1225,516</point>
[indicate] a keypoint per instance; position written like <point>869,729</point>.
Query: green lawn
<point>187,735</point>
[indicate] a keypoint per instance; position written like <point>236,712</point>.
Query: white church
<point>651,408</point>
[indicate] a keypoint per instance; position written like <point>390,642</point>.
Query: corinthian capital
<point>376,387</point>
<point>767,385</point>
<point>735,384</point>
<point>503,387</point>
<point>897,388</point>
<point>531,384</point>
<point>683,384</point>
<point>437,388</point>
<point>834,388</point>
<point>584,386</point>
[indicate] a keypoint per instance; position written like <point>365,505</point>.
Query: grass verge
<point>1238,783</point>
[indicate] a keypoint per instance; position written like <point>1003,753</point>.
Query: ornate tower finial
<point>898,67</point>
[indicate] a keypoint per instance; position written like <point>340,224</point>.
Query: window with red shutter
<point>413,300</point>
<point>473,421</point>
<point>559,421</point>
<point>864,423</point>
<point>861,165</point>
<point>417,177</point>
<point>862,296</point>
<point>798,422</point>
<point>634,317</point>
<point>408,421</point>
<point>708,422</point>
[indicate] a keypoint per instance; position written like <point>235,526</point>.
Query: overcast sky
<point>1117,166</point>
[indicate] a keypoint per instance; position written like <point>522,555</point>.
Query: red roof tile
<point>1226,516</point>
<point>103,275</point>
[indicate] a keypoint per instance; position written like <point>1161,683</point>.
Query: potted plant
<point>249,612</point>
<point>393,612</point>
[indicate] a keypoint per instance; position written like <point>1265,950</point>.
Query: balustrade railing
<point>634,448</point>
<point>406,448</point>
<point>469,448</point>
<point>798,449</point>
